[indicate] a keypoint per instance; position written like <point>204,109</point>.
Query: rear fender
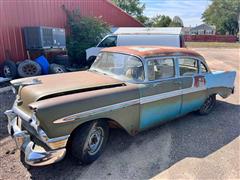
<point>220,82</point>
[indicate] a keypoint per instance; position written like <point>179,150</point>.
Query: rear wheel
<point>88,141</point>
<point>208,105</point>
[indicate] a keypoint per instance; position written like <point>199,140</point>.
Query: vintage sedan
<point>133,88</point>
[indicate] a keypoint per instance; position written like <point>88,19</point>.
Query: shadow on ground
<point>153,151</point>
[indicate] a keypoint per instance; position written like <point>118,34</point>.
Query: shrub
<point>83,32</point>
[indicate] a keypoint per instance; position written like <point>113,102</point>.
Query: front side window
<point>188,66</point>
<point>109,41</point>
<point>121,66</point>
<point>160,69</point>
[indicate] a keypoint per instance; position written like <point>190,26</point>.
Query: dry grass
<point>212,45</point>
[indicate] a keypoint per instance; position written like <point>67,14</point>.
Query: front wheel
<point>88,141</point>
<point>208,105</point>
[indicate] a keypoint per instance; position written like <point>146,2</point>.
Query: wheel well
<point>111,123</point>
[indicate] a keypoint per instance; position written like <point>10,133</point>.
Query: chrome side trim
<point>158,97</point>
<point>193,89</point>
<point>143,100</point>
<point>166,95</point>
<point>97,110</point>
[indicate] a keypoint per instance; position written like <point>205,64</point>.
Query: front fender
<point>59,116</point>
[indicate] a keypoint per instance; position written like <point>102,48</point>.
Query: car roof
<point>152,51</point>
<point>148,30</point>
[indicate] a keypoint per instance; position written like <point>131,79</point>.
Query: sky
<point>190,11</point>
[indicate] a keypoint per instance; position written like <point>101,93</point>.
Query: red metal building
<point>15,14</point>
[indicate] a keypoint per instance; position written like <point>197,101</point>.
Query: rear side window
<point>188,66</point>
<point>109,41</point>
<point>160,69</point>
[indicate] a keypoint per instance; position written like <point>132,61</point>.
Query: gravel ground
<point>191,147</point>
<point>4,84</point>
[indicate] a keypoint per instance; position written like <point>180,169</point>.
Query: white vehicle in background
<point>166,36</point>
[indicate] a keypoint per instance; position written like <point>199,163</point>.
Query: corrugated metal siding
<point>15,14</point>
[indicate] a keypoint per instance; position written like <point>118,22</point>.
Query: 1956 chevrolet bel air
<point>134,88</point>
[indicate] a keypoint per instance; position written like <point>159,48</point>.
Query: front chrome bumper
<point>35,155</point>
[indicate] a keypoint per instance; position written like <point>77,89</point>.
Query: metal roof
<point>148,30</point>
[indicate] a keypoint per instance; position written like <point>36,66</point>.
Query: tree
<point>84,32</point>
<point>176,22</point>
<point>133,7</point>
<point>160,21</point>
<point>144,20</point>
<point>224,15</point>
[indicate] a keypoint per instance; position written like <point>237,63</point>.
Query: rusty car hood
<point>43,87</point>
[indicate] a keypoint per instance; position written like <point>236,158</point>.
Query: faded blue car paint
<point>220,79</point>
<point>158,112</point>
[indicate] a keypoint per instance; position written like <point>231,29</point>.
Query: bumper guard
<point>34,155</point>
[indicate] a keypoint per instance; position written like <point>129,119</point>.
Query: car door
<point>194,91</point>
<point>160,96</point>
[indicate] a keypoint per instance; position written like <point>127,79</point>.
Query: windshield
<point>121,66</point>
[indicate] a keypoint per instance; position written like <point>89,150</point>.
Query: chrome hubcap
<point>59,70</point>
<point>95,140</point>
<point>6,71</point>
